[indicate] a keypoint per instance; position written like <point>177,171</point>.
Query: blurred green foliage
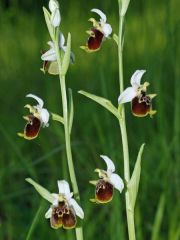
<point>151,42</point>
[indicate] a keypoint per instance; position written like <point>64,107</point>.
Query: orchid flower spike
<point>38,117</point>
<point>141,103</point>
<point>55,13</point>
<point>50,59</point>
<point>104,187</point>
<point>64,208</point>
<point>99,32</point>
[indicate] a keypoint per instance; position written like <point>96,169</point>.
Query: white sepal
<point>50,55</point>
<point>39,100</point>
<point>56,199</point>
<point>56,17</point>
<point>64,188</point>
<point>48,214</point>
<point>61,40</point>
<point>117,182</point>
<point>64,48</point>
<point>53,5</point>
<point>136,78</point>
<point>100,13</point>
<point>127,95</point>
<point>44,116</point>
<point>107,29</point>
<point>43,112</point>
<point>109,163</point>
<point>78,210</point>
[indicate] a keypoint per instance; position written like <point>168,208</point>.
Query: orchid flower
<point>141,103</point>
<point>50,58</point>
<point>39,117</point>
<point>55,13</point>
<point>64,209</point>
<point>99,32</point>
<point>109,180</point>
<point>50,55</point>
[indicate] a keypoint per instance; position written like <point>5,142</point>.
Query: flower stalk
<point>62,75</point>
<point>122,123</point>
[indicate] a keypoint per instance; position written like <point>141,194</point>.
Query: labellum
<point>94,41</point>
<point>63,216</point>
<point>141,105</point>
<point>32,127</point>
<point>104,191</point>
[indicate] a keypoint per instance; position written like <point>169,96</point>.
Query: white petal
<point>63,187</point>
<point>136,78</point>
<point>127,95</point>
<point>56,18</point>
<point>44,117</point>
<point>78,210</point>
<point>39,100</point>
<point>107,29</point>
<point>109,163</point>
<point>117,182</point>
<point>50,55</point>
<point>53,4</point>
<point>61,40</point>
<point>100,13</point>
<point>48,214</point>
<point>56,199</point>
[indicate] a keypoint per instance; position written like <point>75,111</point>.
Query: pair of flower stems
<point>56,61</point>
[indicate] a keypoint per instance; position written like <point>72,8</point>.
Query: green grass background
<point>151,42</point>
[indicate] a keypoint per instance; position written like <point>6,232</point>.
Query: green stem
<point>67,137</point>
<point>33,224</point>
<point>79,232</point>
<point>122,122</point>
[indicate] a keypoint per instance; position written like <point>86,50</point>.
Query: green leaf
<point>41,190</point>
<point>48,22</point>
<point>125,4</point>
<point>67,55</point>
<point>71,109</point>
<point>103,102</point>
<point>158,218</point>
<point>116,38</point>
<point>34,223</point>
<point>174,223</point>
<point>57,118</point>
<point>133,184</point>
